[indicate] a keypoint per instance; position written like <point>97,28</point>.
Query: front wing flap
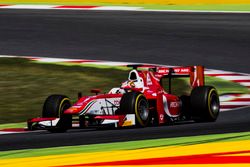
<point>42,123</point>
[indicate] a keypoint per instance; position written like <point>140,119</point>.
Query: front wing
<point>104,120</point>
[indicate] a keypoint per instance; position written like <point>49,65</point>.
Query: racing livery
<point>140,101</point>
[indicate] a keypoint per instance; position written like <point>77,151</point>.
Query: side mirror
<point>96,91</point>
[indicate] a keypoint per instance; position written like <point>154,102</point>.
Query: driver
<point>128,84</point>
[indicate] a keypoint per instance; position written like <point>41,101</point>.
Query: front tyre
<point>54,106</point>
<point>136,103</point>
<point>205,104</point>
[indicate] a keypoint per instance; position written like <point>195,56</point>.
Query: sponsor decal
<point>176,70</point>
<point>182,70</point>
<point>127,123</point>
<point>116,102</point>
<point>175,104</point>
<point>161,117</point>
<point>149,81</point>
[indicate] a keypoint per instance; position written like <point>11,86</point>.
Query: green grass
<point>24,85</point>
<point>213,7</point>
<point>13,125</point>
<point>131,145</point>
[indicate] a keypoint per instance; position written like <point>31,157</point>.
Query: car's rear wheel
<point>205,104</point>
<point>54,106</point>
<point>136,103</point>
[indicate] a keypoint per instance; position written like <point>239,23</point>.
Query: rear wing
<point>195,73</point>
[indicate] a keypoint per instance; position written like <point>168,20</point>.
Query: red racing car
<point>140,101</point>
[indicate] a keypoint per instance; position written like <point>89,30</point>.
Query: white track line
<point>14,132</point>
<point>110,8</point>
<point>54,60</point>
<point>234,77</point>
<point>11,132</point>
<point>29,7</point>
<point>8,56</point>
<point>245,83</point>
<point>227,98</point>
<point>110,63</point>
<point>4,132</point>
<point>124,8</point>
<point>235,103</point>
<point>209,71</point>
<point>245,96</point>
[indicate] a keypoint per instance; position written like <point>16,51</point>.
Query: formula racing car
<point>140,101</point>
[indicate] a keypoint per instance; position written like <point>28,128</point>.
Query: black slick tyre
<point>205,104</point>
<point>54,106</point>
<point>136,103</point>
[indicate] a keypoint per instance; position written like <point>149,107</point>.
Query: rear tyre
<point>205,104</point>
<point>54,106</point>
<point>136,103</point>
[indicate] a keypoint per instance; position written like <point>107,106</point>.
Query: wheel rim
<point>214,104</point>
<point>64,107</point>
<point>143,109</point>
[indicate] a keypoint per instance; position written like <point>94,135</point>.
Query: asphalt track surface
<point>218,41</point>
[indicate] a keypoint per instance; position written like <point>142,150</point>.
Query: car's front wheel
<point>54,106</point>
<point>136,103</point>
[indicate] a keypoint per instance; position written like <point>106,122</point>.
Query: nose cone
<point>78,106</point>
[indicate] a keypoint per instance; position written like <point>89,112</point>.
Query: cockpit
<point>134,81</point>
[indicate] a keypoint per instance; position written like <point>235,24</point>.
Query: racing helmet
<point>134,80</point>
